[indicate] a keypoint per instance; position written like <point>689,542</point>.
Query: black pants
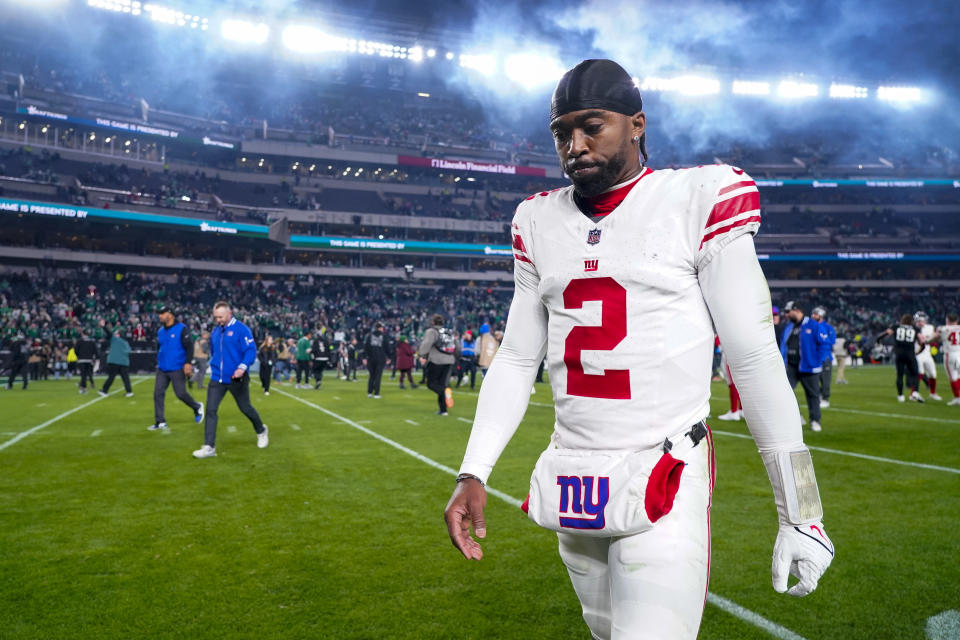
<point>114,370</point>
<point>467,365</point>
<point>825,379</point>
<point>318,368</point>
<point>539,371</point>
<point>375,367</point>
<point>86,373</point>
<point>303,370</point>
<point>265,372</point>
<point>179,380</point>
<point>241,394</point>
<point>437,377</point>
<point>906,364</point>
<point>17,369</point>
<point>810,382</point>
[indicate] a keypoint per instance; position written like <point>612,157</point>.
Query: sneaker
<point>442,413</point>
<point>198,414</point>
<point>266,393</point>
<point>803,420</point>
<point>369,395</point>
<point>316,386</point>
<point>916,397</point>
<point>955,402</point>
<point>376,396</point>
<point>263,439</point>
<point>129,395</point>
<point>934,396</point>
<point>206,451</point>
<point>157,427</point>
<point>824,404</point>
<point>730,415</point>
<point>815,426</point>
<point>83,391</point>
<point>900,399</point>
<point>103,394</point>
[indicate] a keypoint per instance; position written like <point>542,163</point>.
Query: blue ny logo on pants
<point>576,495</point>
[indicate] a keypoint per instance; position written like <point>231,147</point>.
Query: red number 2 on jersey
<point>612,383</point>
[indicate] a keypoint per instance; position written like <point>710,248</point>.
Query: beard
<point>603,179</point>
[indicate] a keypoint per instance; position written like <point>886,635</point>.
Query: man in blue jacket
<point>174,351</point>
<point>802,347</point>
<point>828,337</point>
<point>232,351</point>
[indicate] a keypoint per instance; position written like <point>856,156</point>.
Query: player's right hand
<point>465,509</point>
<point>804,551</point>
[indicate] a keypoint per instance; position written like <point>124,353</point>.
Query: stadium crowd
<point>50,310</point>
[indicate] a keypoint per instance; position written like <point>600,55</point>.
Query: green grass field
<point>110,531</point>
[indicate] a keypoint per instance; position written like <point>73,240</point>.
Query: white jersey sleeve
<point>505,392</point>
<point>737,295</point>
<point>729,207</point>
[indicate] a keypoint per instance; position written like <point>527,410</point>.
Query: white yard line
<point>782,633</point>
<point>900,416</point>
<point>467,420</point>
<point>295,427</point>
<point>232,428</point>
<point>919,465</point>
<point>413,422</point>
<point>96,433</point>
<point>23,434</point>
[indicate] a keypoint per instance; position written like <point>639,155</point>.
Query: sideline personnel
<point>232,351</point>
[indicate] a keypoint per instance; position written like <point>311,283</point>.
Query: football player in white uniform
<point>925,363</point>
<point>620,279</point>
<point>950,345</point>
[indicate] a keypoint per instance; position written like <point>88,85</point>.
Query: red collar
<point>603,203</point>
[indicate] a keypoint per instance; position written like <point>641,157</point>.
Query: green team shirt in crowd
<point>303,349</point>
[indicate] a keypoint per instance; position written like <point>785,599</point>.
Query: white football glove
<point>804,551</point>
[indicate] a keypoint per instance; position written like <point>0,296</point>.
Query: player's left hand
<point>804,551</point>
<point>238,373</point>
<point>188,369</point>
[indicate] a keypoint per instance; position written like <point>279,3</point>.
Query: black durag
<point>596,84</point>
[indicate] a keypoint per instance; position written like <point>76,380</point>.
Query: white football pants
<point>927,366</point>
<point>649,585</point>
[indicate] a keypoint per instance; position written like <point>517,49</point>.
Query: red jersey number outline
<point>612,384</point>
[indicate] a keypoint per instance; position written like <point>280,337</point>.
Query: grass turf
<point>332,533</point>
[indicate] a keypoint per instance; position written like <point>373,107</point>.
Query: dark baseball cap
<point>166,309</point>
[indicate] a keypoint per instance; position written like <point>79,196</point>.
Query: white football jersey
<point>630,338</point>
<point>950,338</point>
<point>927,334</point>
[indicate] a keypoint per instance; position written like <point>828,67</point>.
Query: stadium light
<point>750,88</point>
<point>688,85</point>
<point>847,91</point>
<point>484,63</point>
<point>532,70</point>
<point>306,39</point>
<point>243,31</point>
<point>792,89</point>
<point>431,53</point>
<point>415,54</point>
<point>900,94</point>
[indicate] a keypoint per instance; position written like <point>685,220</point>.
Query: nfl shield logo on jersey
<point>593,236</point>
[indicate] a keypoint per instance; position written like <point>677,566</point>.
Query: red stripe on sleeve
<point>737,185</point>
<point>522,258</point>
<point>738,223</point>
<point>733,207</point>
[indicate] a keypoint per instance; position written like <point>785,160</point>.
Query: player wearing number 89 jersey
<point>620,280</point>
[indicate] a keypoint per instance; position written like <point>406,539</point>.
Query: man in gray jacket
<point>118,363</point>
<point>438,351</point>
